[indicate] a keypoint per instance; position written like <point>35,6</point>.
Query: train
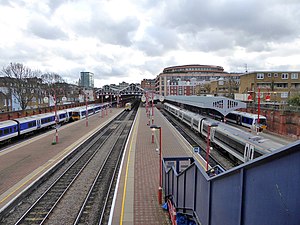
<point>18,127</point>
<point>129,105</point>
<point>240,145</point>
<point>80,112</point>
<point>249,120</point>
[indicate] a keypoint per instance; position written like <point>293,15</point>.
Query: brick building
<point>182,80</point>
<point>148,84</point>
<point>275,86</point>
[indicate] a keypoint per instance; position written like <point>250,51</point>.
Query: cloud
<point>156,41</point>
<point>43,28</point>
<point>251,21</point>
<point>135,39</point>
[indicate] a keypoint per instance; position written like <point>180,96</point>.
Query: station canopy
<point>220,104</point>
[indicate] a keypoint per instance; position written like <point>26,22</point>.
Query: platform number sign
<point>196,149</point>
<point>249,152</point>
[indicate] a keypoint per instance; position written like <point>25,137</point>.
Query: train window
<point>6,131</point>
<point>1,132</point>
<point>247,120</point>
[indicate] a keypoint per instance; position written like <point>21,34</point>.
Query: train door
<point>239,119</point>
<point>38,123</point>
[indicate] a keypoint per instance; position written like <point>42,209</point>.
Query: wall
<point>281,122</point>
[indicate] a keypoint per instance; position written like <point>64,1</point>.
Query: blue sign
<point>197,149</point>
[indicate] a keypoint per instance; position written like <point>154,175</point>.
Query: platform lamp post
<point>102,105</point>
<point>153,128</point>
<point>147,105</point>
<point>111,95</point>
<point>152,108</point>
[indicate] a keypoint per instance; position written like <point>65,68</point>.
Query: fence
<point>263,191</point>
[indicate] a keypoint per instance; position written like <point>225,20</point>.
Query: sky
<point>129,40</point>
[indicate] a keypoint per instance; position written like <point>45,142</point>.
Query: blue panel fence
<point>263,191</point>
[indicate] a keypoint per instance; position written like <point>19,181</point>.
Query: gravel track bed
<point>69,206</point>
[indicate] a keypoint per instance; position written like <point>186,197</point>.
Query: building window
<point>260,76</point>
<point>284,95</point>
<point>284,76</point>
<point>269,74</point>
<point>294,76</point>
<point>281,85</point>
<point>275,74</point>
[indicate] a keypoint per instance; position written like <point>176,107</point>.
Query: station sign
<point>161,98</point>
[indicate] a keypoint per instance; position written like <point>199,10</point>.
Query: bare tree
<point>52,78</point>
<point>22,82</point>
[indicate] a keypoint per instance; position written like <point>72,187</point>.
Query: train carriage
<point>46,120</point>
<point>8,130</point>
<point>27,124</point>
<point>240,144</point>
<point>20,126</point>
<point>247,120</point>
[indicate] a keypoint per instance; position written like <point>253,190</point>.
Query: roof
<point>220,104</point>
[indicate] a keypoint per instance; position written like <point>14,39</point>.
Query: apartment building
<point>274,86</point>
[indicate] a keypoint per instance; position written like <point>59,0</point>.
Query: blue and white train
<point>80,112</point>
<point>249,120</point>
<point>239,144</point>
<point>20,126</point>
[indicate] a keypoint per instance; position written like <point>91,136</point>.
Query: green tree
<point>294,101</point>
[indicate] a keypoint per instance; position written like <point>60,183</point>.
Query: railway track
<point>216,157</point>
<point>103,151</point>
<point>95,209</point>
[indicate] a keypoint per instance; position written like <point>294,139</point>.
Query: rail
<point>96,201</point>
<point>41,209</point>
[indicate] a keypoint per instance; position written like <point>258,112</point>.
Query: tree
<point>22,82</point>
<point>52,78</point>
<point>294,101</point>
<point>55,85</point>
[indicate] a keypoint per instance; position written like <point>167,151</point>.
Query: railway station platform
<point>136,199</point>
<point>22,164</point>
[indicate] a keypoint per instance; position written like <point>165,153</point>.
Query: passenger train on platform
<point>247,120</point>
<point>21,126</point>
<point>80,112</point>
<point>239,144</point>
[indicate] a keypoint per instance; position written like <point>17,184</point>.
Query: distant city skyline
<point>68,37</point>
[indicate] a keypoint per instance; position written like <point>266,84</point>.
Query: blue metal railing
<point>263,191</point>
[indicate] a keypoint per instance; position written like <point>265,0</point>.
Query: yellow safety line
<point>126,176</point>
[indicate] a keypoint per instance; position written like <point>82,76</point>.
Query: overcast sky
<point>128,40</point>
